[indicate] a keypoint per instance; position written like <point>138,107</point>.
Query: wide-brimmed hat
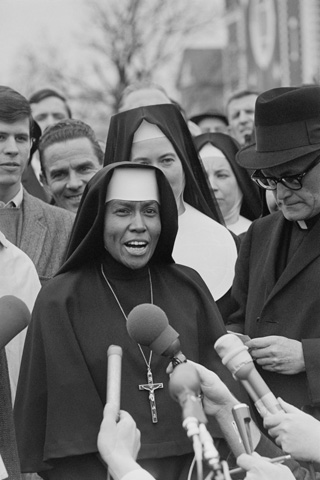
<point>287,126</point>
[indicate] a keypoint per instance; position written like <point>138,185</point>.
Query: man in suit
<point>277,277</point>
<point>69,156</point>
<point>40,230</point>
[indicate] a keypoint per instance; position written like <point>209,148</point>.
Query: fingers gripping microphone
<point>148,325</point>
<point>14,317</point>
<point>234,354</point>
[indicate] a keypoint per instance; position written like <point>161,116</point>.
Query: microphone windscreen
<point>148,325</point>
<point>14,317</point>
<point>232,352</point>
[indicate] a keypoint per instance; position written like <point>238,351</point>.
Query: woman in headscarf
<point>119,256</point>
<point>158,135</point>
<point>239,199</point>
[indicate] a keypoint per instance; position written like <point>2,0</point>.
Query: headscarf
<point>86,241</point>
<point>170,121</point>
<point>251,207</point>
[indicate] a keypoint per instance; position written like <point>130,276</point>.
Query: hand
<point>258,468</point>
<point>216,395</point>
<point>296,432</point>
<point>277,354</point>
<point>118,443</point>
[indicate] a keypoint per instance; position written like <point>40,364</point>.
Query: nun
<point>238,197</point>
<point>119,256</point>
<point>158,135</point>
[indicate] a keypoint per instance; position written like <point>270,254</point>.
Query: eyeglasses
<point>293,182</point>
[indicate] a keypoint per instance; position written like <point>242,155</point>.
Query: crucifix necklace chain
<point>150,386</point>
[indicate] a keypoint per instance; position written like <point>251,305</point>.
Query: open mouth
<point>136,247</point>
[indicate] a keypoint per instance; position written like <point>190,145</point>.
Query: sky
<point>32,23</point>
<point>25,23</point>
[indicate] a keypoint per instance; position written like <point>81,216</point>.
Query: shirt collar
<point>3,240</point>
<point>16,200</point>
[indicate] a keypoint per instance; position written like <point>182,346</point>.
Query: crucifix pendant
<point>151,387</point>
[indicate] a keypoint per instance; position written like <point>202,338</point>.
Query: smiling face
<point>68,168</point>
<point>160,153</point>
<point>131,231</point>
<point>223,182</point>
<point>297,204</point>
<point>15,144</point>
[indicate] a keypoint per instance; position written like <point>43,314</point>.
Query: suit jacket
<point>44,235</point>
<point>32,184</point>
<point>289,306</point>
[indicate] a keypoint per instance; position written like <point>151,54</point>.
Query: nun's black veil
<point>86,240</point>
<point>170,121</point>
<point>251,207</point>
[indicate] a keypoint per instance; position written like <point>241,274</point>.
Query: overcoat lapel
<point>271,253</point>
<point>305,254</point>
<point>33,231</point>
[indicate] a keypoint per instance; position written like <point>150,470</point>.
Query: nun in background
<point>158,135</point>
<point>119,256</point>
<point>239,199</point>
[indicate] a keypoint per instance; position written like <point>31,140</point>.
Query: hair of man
<point>14,107</point>
<point>44,93</point>
<point>240,94</point>
<point>69,129</point>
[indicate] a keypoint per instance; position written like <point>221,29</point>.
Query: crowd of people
<point>214,219</point>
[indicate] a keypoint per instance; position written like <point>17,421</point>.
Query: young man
<point>38,229</point>
<point>276,284</point>
<point>69,155</point>
<point>48,107</point>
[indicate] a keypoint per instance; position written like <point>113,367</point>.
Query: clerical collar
<point>15,202</point>
<point>309,223</point>
<point>302,225</point>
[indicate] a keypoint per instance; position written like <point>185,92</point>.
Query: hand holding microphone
<point>234,354</point>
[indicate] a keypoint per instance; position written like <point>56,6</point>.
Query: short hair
<point>15,107</point>
<point>68,129</point>
<point>240,94</point>
<point>44,93</point>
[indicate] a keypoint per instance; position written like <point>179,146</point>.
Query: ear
<point>44,183</point>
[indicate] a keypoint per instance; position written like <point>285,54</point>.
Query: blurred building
<point>269,43</point>
<point>200,80</point>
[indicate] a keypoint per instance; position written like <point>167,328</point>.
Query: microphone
<point>114,354</point>
<point>14,317</point>
<point>234,354</point>
<point>148,325</point>
<point>242,417</point>
<point>184,388</point>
